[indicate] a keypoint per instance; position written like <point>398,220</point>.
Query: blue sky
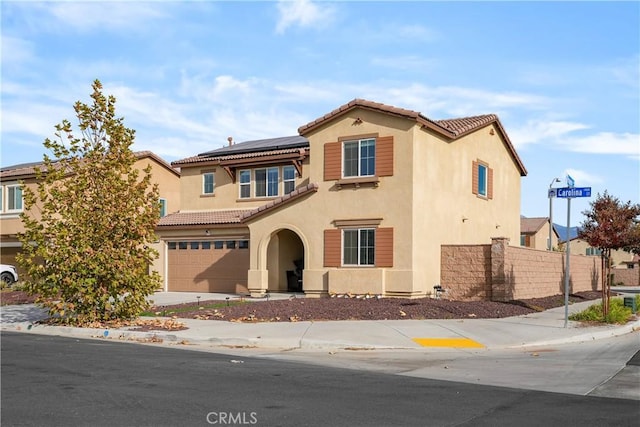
<point>564,78</point>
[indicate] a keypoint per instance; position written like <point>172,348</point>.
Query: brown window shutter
<point>332,161</point>
<point>474,178</point>
<point>527,241</point>
<point>332,250</point>
<point>384,247</point>
<point>489,183</point>
<point>384,156</point>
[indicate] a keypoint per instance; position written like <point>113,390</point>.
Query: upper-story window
<point>593,251</point>
<point>245,184</point>
<point>289,179</point>
<point>359,158</point>
<point>163,207</point>
<point>267,181</point>
<point>208,183</point>
<point>482,181</point>
<point>13,202</point>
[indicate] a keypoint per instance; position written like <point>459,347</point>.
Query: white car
<point>8,274</point>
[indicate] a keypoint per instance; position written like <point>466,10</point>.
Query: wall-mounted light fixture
<point>465,219</point>
<point>206,232</point>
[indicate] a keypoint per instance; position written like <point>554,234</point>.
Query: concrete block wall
<point>537,273</point>
<point>500,272</point>
<point>465,272</point>
<point>626,276</point>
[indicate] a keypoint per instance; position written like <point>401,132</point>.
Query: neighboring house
<point>619,258</point>
<point>11,203</point>
<point>360,201</point>
<point>534,233</point>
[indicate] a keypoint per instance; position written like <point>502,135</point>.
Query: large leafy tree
<point>90,220</point>
<point>610,225</point>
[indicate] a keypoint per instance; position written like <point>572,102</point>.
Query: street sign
<point>571,192</point>
<point>552,192</point>
<point>570,182</point>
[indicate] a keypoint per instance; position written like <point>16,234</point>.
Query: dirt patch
<point>306,309</point>
<point>11,297</point>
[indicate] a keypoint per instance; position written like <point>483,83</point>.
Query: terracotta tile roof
<point>532,225</point>
<point>280,201</point>
<point>450,128</point>
<point>26,170</point>
<point>216,159</point>
<point>230,216</point>
<point>466,124</point>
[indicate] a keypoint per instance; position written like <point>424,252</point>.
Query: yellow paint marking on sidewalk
<point>448,342</point>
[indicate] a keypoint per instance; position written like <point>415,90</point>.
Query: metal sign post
<point>569,193</point>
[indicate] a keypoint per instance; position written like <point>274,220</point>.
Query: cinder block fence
<point>499,272</point>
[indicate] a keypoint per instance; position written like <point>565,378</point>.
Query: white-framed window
<point>245,184</point>
<point>359,158</point>
<point>163,207</point>
<point>289,179</point>
<point>208,183</point>
<point>267,181</point>
<point>482,179</point>
<point>14,198</point>
<point>358,246</point>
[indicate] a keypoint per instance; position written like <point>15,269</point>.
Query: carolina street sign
<point>569,192</point>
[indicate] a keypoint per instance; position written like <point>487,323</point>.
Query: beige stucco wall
<point>445,210</point>
<point>226,193</point>
<point>619,258</point>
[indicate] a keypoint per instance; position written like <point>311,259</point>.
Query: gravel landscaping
<point>304,309</point>
<point>319,309</point>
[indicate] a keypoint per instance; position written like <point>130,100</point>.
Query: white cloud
<point>582,178</point>
<point>542,131</point>
<point>16,51</point>
<point>303,13</point>
<point>627,144</point>
<point>101,15</point>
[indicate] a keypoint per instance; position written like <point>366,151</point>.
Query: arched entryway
<point>285,262</point>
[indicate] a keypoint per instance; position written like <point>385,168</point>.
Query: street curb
<point>588,336</point>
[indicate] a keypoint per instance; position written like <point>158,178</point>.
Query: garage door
<point>208,266</point>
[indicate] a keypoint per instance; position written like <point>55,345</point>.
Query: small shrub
<point>618,313</point>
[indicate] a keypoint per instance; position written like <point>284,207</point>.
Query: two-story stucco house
<point>360,201</point>
<point>12,179</point>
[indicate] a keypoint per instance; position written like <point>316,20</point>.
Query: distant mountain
<point>562,232</point>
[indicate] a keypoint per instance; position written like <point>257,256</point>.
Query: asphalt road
<point>54,381</point>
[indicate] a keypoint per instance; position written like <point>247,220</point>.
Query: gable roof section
<point>449,128</point>
<point>219,217</point>
<point>232,216</point>
<point>532,225</point>
<point>280,201</point>
<point>27,170</point>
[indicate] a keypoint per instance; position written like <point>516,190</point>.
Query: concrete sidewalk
<point>537,329</point>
